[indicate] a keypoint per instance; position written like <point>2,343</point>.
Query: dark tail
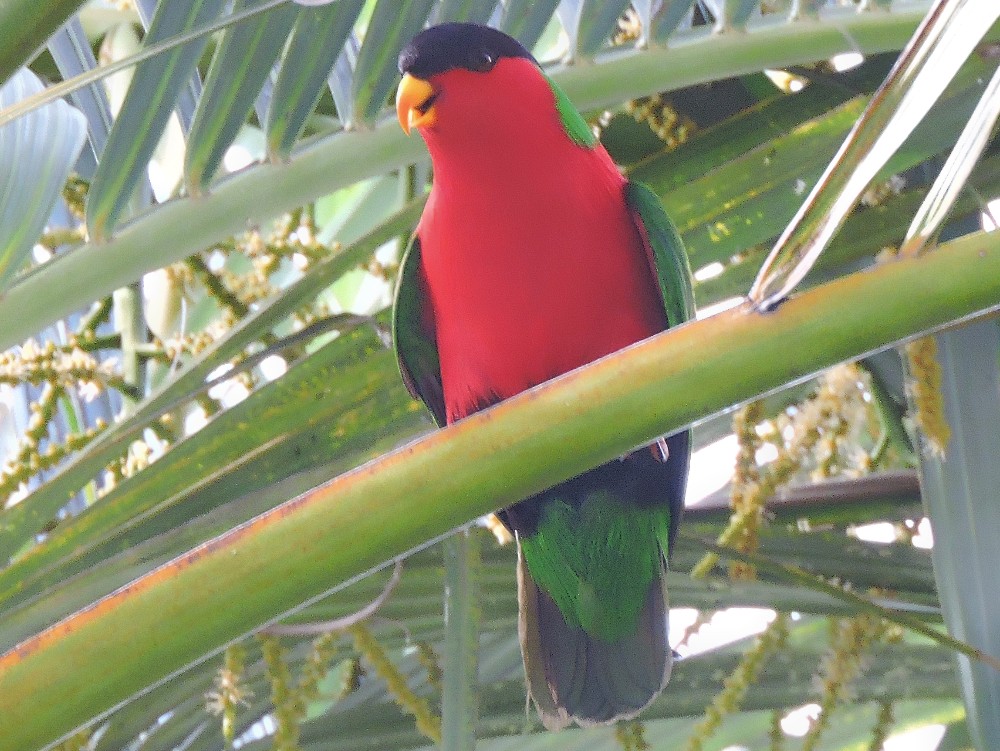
<point>573,676</point>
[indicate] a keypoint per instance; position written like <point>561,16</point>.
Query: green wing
<point>670,262</point>
<point>415,345</point>
<point>668,258</point>
<point>572,121</point>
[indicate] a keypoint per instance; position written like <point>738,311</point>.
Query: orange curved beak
<point>415,103</point>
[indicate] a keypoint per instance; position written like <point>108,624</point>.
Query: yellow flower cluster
<point>736,684</point>
<point>818,431</point>
<point>631,736</point>
<point>924,387</point>
<point>291,699</point>
<point>849,644</point>
<point>883,724</point>
<point>68,366</point>
<point>31,458</point>
<point>656,112</point>
<point>367,645</point>
<point>430,662</point>
<point>746,499</point>
<point>229,692</point>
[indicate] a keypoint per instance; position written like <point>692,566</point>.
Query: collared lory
<point>535,256</point>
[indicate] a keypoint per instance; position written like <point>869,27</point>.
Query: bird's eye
<point>482,61</point>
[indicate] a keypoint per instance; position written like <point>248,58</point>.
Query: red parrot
<point>534,256</point>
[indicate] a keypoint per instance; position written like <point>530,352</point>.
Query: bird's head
<point>469,84</point>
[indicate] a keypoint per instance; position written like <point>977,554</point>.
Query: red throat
<point>532,261</point>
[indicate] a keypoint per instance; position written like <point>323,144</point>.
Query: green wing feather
<point>573,123</point>
<point>673,273</point>
<point>669,260</point>
<point>415,345</point>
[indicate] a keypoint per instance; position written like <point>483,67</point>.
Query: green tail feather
<point>597,560</point>
<point>573,676</point>
<point>593,605</point>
